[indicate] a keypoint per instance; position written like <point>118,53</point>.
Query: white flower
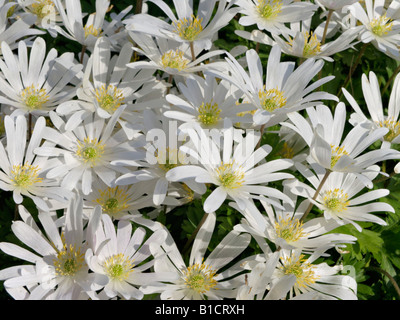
<point>72,21</point>
<point>310,276</point>
<point>121,257</point>
<point>272,15</point>
<point>39,83</point>
<point>340,198</point>
<point>373,101</point>
<point>119,202</point>
<point>58,257</point>
<point>283,226</point>
<point>284,89</point>
<point>335,4</point>
<point>206,102</point>
<point>323,133</point>
<point>107,84</point>
<point>186,26</point>
<point>12,30</point>
<point>159,160</point>
<point>44,10</point>
<point>170,56</point>
<point>305,43</point>
<point>24,173</point>
<point>232,168</point>
<point>87,151</point>
<point>203,277</point>
<point>378,27</point>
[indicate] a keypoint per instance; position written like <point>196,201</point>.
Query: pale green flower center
<point>113,200</point>
<point>271,99</point>
<point>42,8</point>
<point>200,278</point>
<point>69,260</point>
<point>229,176</point>
<point>90,151</point>
<point>304,271</point>
<point>174,60</point>
<point>209,113</point>
<point>34,98</point>
<point>290,229</point>
<point>381,25</point>
<point>91,30</point>
<point>336,200</point>
<point>118,267</point>
<point>24,176</point>
<point>269,8</point>
<point>393,126</point>
<point>188,29</point>
<point>337,153</point>
<point>110,98</point>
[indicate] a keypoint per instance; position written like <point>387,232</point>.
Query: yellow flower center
<point>230,177</point>
<point>286,151</point>
<point>271,99</point>
<point>91,30</point>
<point>304,271</point>
<point>290,229</point>
<point>174,60</point>
<point>25,176</point>
<point>393,126</point>
<point>168,159</point>
<point>113,200</point>
<point>209,113</point>
<point>42,8</point>
<point>269,8</point>
<point>109,98</point>
<point>337,153</point>
<point>381,25</point>
<point>312,46</point>
<point>90,151</point>
<point>188,29</point>
<point>34,98</point>
<point>69,260</point>
<point>336,200</point>
<point>200,278</point>
<point>118,267</point>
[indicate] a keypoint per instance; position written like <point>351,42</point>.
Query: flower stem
<point>139,5</point>
<point>328,18</point>
<point>82,53</point>
<point>321,184</point>
<point>353,68</point>
<point>392,280</point>
<point>391,79</point>
<point>193,235</point>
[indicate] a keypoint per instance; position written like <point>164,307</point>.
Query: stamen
<point>271,99</point>
<point>337,153</point>
<point>34,98</point>
<point>290,229</point>
<point>91,30</point>
<point>110,98</point>
<point>209,113</point>
<point>69,260</point>
<point>90,151</point>
<point>188,29</point>
<point>303,271</point>
<point>118,267</point>
<point>381,25</point>
<point>174,59</point>
<point>25,176</point>
<point>229,176</point>
<point>200,278</point>
<point>41,8</point>
<point>113,200</point>
<point>336,200</point>
<point>393,126</point>
<point>269,8</point>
